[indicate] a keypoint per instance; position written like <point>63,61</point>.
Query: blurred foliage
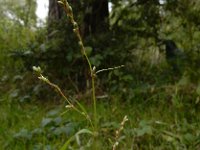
<point>132,39</point>
<point>153,124</point>
<point>163,107</point>
<point>17,31</point>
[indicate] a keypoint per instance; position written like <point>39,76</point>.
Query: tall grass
<point>93,72</point>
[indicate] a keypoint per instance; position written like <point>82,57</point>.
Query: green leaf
<point>46,121</point>
<point>88,50</point>
<point>65,146</point>
<point>184,80</point>
<point>57,120</point>
<point>127,78</point>
<point>188,138</point>
<point>168,138</point>
<point>145,130</point>
<point>198,89</point>
<point>82,131</point>
<point>24,133</point>
<point>53,112</point>
<point>96,60</point>
<point>14,93</point>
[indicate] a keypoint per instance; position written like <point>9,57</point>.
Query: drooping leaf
<point>46,121</point>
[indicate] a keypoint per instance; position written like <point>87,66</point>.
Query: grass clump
<point>92,71</point>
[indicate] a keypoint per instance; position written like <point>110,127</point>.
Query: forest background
<point>161,103</point>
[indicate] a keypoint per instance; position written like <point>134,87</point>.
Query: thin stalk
<point>94,102</point>
<point>109,69</point>
<point>84,113</point>
<point>76,30</point>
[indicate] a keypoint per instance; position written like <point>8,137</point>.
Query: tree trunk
<point>55,12</point>
<point>96,17</point>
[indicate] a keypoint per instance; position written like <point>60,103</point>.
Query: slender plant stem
<point>94,102</point>
<point>109,69</point>
<point>76,30</point>
<point>84,113</point>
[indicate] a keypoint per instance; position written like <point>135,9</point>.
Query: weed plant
<point>93,74</point>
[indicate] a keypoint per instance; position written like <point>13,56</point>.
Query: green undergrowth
<point>160,121</point>
<point>145,105</point>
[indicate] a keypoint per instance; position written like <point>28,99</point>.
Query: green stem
<point>94,102</point>
<point>69,13</point>
<point>92,73</point>
<point>84,113</point>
